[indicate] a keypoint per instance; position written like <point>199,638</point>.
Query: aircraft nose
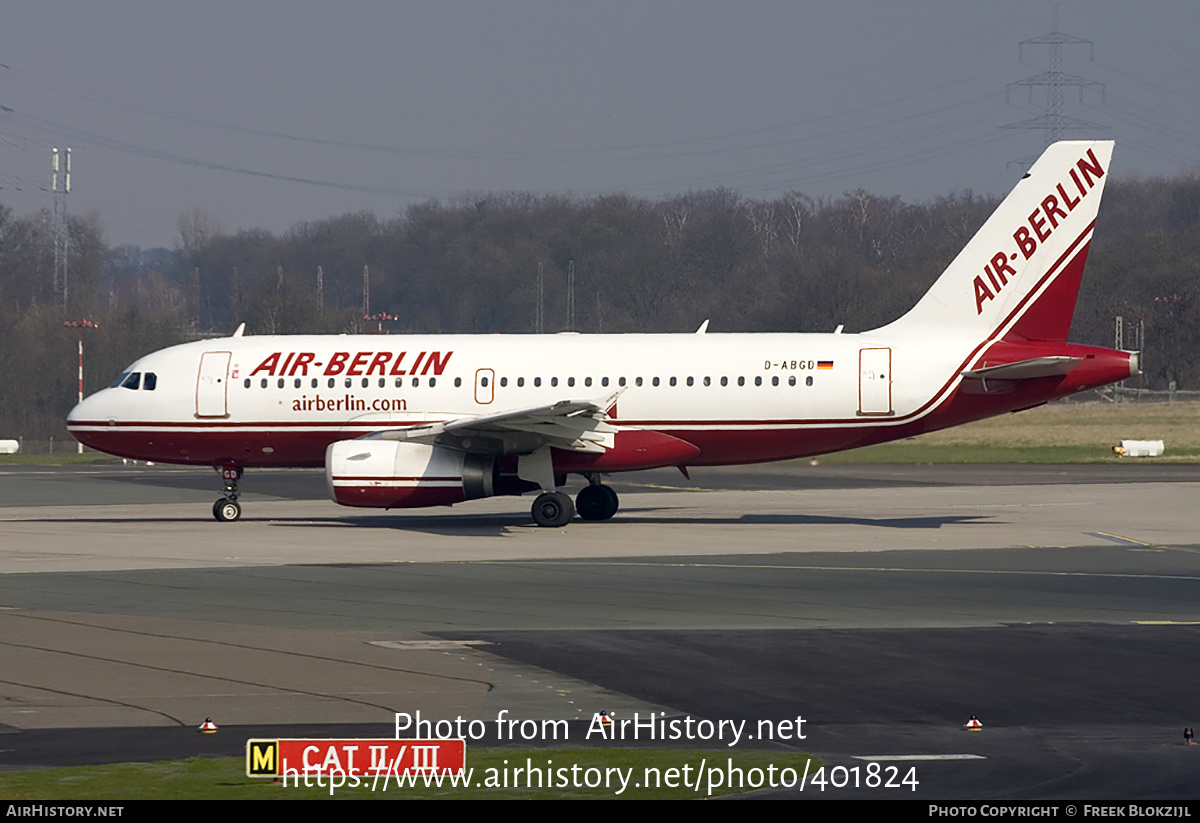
<point>83,410</point>
<point>83,421</point>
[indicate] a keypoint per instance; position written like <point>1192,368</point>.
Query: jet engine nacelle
<point>393,474</point>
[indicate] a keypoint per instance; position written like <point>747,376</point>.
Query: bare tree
<point>196,229</point>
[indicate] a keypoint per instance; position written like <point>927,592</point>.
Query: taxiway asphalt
<point>885,604</point>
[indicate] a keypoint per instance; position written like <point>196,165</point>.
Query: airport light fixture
<point>380,319</point>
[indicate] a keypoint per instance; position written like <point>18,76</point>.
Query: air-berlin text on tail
<point>363,363</point>
<point>1047,217</point>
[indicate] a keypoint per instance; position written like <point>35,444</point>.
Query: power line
<point>1054,123</point>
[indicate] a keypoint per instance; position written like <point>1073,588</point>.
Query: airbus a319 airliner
<point>407,421</point>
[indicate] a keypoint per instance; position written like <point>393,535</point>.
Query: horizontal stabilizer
<point>1025,369</point>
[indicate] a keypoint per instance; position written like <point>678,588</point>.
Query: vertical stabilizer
<point>1019,276</point>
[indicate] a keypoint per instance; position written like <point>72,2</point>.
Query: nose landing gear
<point>228,509</point>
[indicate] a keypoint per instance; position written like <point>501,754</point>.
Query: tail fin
<point>1019,276</point>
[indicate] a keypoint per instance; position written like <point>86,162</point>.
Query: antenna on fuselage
<point>241,329</point>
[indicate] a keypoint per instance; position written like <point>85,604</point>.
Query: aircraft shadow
<point>502,525</point>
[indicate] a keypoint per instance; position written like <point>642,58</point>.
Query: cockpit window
<point>132,381</point>
<point>150,381</point>
<point>120,379</point>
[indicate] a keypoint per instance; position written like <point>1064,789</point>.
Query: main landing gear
<point>228,509</point>
<point>595,502</point>
<point>553,509</point>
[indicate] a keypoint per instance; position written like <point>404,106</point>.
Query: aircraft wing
<point>575,425</point>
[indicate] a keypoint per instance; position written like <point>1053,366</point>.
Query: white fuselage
<point>297,394</point>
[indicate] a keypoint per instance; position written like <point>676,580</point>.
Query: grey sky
<point>229,106</point>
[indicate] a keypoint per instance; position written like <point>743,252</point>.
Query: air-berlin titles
<point>1043,221</point>
<point>364,363</point>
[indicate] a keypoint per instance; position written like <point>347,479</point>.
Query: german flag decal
<point>824,364</point>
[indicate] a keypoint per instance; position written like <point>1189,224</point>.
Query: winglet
<point>609,404</point>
